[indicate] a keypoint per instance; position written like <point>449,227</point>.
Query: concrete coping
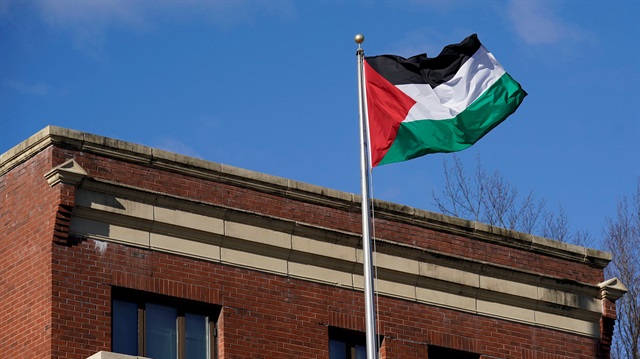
<point>73,139</point>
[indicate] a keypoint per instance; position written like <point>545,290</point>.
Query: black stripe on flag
<point>421,69</point>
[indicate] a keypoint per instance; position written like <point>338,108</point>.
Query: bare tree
<point>556,226</point>
<point>492,199</point>
<point>462,196</point>
<point>622,239</point>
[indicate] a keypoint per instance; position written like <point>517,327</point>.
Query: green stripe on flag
<point>418,138</point>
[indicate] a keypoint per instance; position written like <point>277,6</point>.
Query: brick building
<point>110,247</point>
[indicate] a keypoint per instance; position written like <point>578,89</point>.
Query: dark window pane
<point>162,338</point>
<point>196,336</point>
<point>337,349</point>
<point>125,327</point>
<point>447,353</point>
<point>348,344</point>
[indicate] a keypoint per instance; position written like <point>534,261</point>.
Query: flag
<point>423,105</point>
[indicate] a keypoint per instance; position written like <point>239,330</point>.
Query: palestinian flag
<point>422,105</point>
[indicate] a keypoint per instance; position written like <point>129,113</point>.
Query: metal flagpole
<point>365,167</point>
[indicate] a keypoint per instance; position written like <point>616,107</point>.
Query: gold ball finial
<point>359,38</point>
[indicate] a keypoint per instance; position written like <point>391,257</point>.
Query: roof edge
<point>68,138</point>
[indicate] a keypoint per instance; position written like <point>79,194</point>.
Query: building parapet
<point>117,149</point>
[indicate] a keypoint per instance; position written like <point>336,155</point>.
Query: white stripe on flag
<point>452,97</point>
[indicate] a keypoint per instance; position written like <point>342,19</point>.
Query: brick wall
<point>268,316</point>
<point>27,218</point>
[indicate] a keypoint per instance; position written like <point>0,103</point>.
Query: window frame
<point>183,306</point>
<point>351,339</point>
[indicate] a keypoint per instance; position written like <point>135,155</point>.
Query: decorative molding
<point>69,172</point>
<point>612,289</point>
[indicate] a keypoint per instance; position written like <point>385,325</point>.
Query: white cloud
<point>38,89</point>
<point>88,13</point>
<point>89,22</point>
<point>538,23</point>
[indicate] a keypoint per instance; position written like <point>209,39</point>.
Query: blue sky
<point>271,86</point>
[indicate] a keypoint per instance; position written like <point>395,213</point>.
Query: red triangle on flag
<point>387,107</point>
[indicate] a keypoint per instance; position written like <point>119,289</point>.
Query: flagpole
<point>365,167</point>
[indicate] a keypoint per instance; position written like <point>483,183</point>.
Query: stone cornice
<point>330,235</point>
<point>300,191</point>
<point>132,216</point>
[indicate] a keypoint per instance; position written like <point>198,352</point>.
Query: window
<point>161,327</point>
<point>447,353</point>
<point>347,344</point>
